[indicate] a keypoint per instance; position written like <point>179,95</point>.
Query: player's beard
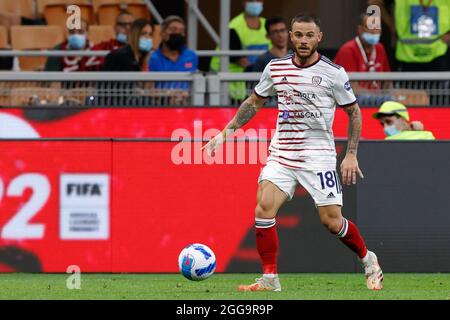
<point>302,56</point>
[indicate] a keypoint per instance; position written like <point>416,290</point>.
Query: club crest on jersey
<point>316,80</point>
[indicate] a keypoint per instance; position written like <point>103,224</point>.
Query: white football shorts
<point>323,185</point>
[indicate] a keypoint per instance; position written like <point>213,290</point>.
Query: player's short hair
<point>273,20</point>
<point>167,21</point>
<point>305,17</point>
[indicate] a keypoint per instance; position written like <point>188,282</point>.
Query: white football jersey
<point>307,100</point>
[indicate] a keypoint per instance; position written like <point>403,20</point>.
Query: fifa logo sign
<point>74,20</point>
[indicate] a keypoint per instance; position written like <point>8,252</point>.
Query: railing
<point>410,88</point>
<point>197,89</point>
<point>102,89</point>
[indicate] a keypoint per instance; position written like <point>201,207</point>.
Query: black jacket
<point>121,60</point>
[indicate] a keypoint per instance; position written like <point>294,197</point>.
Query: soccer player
<point>309,87</point>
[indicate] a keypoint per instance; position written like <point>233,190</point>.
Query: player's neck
<point>308,61</point>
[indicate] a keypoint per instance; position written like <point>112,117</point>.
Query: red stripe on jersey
<point>280,83</point>
<point>293,142</point>
<point>295,160</point>
<point>287,75</point>
<point>281,149</point>
<point>285,69</point>
<point>293,123</point>
<point>291,130</point>
<point>291,138</point>
<point>284,164</point>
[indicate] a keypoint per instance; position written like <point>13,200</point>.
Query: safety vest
<point>251,39</point>
<point>412,135</point>
<point>419,25</point>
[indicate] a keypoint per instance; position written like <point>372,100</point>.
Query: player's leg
<point>325,189</point>
<point>331,217</point>
<point>276,186</point>
<point>269,200</point>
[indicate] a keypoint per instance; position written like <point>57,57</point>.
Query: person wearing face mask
<point>364,53</point>
<point>122,29</point>
<point>173,55</point>
<point>394,118</point>
<point>135,55</point>
<point>76,40</point>
<point>247,32</point>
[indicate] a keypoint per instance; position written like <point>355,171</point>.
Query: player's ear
<point>320,36</point>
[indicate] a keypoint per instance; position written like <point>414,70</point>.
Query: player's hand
<point>349,169</point>
<point>214,143</point>
<point>417,125</point>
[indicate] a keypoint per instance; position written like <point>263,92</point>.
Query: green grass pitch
<point>223,287</point>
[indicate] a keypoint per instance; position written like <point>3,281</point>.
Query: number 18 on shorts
<point>323,185</point>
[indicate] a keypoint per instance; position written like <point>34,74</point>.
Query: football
<point>197,262</point>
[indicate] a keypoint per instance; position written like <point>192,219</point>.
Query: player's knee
<point>264,210</point>
<point>331,223</point>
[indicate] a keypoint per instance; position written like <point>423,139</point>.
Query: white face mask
<point>254,9</point>
<point>391,130</point>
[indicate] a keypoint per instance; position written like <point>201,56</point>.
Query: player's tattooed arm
<point>245,113</point>
<point>354,127</point>
<point>349,166</point>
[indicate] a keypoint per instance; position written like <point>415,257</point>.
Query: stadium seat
<point>56,15</point>
<point>3,37</point>
<point>41,4</point>
<point>98,34</point>
<point>107,13</point>
<point>35,38</point>
<point>24,8</point>
<point>98,3</point>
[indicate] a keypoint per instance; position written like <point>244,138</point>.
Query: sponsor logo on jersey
<point>307,114</point>
<point>285,115</point>
<point>316,80</point>
<point>284,79</point>
<point>347,86</point>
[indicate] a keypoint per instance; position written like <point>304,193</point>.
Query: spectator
<point>77,40</point>
<point>278,34</point>
<point>364,53</point>
<point>247,32</point>
<point>135,55</point>
<point>394,118</point>
<point>122,28</point>
<point>173,55</point>
<point>423,34</point>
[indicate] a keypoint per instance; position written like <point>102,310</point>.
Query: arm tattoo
<point>354,127</point>
<point>245,113</point>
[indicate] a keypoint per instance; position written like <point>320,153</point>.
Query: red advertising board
<point>162,122</point>
<point>109,206</point>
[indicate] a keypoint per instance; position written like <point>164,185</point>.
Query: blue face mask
<point>122,37</point>
<point>254,9</point>
<point>145,45</point>
<point>391,130</point>
<point>371,38</point>
<point>77,41</point>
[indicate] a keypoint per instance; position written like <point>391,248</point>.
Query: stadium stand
<point>35,38</point>
<point>107,13</point>
<point>99,33</point>
<point>24,8</point>
<point>56,14</point>
<point>3,38</point>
